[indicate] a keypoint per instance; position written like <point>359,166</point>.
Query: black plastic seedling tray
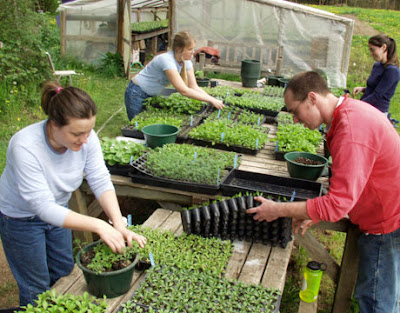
<point>122,170</point>
<point>242,181</point>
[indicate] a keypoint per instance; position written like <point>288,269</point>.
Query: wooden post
<point>63,32</point>
<point>171,14</point>
<point>279,61</point>
<point>348,272</point>
<point>202,61</point>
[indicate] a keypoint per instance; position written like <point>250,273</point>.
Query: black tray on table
<point>242,181</point>
<point>141,175</point>
<point>117,169</point>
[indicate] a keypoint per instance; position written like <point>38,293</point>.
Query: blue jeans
<point>38,254</point>
<point>378,283</point>
<point>134,96</point>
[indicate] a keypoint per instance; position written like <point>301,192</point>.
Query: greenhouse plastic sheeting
<point>90,28</point>
<point>308,38</point>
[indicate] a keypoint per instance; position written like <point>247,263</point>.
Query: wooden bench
<point>252,263</point>
<point>232,54</point>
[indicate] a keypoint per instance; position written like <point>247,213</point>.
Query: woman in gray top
<point>45,164</point>
<point>173,67</point>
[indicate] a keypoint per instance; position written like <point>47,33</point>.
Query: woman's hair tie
<point>58,89</point>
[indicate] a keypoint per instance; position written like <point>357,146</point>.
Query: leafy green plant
<point>102,259</point>
<point>175,103</point>
<point>189,252</point>
<point>144,27</point>
<point>256,101</point>
<point>181,290</point>
<point>189,163</point>
<point>111,64</point>
<point>235,134</point>
<point>297,137</point>
<point>50,301</point>
<point>273,91</point>
<point>237,114</point>
<point>156,116</point>
<point>120,152</point>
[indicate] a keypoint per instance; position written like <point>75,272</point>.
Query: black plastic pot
<point>215,218</point>
<point>205,220</point>
<point>196,221</point>
<point>186,221</point>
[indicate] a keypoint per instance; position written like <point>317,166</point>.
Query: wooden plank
<point>237,259</point>
<point>253,269</point>
<point>305,307</point>
<point>157,218</point>
<point>94,209</point>
<point>170,206</point>
<point>277,265</point>
<point>172,223</point>
<point>64,283</point>
<point>348,273</point>
<point>115,303</point>
<point>318,253</point>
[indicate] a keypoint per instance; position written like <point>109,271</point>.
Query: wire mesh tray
<point>140,174</point>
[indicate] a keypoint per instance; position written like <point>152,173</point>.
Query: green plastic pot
<point>111,284</point>
<point>250,72</point>
<point>304,171</point>
<point>203,82</point>
<point>157,135</point>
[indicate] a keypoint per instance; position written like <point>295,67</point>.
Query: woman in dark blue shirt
<point>385,73</point>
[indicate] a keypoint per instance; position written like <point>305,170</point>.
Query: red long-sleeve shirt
<point>365,181</point>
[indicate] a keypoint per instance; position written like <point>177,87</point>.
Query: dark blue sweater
<point>381,86</point>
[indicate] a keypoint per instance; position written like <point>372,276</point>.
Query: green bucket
<point>305,171</point>
<point>157,135</point>
<point>111,284</point>
<point>250,72</point>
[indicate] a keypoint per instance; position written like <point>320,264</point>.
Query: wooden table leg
<point>348,272</point>
<point>78,204</point>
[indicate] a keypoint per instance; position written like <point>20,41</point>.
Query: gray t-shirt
<point>152,78</point>
<point>39,181</point>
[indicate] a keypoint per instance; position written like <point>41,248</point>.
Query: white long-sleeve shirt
<point>38,181</point>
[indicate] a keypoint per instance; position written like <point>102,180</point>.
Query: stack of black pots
<point>227,219</point>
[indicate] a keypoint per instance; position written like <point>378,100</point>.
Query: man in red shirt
<point>365,180</point>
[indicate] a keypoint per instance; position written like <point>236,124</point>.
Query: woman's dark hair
<point>61,104</point>
<point>303,83</point>
<point>382,39</point>
<point>181,40</point>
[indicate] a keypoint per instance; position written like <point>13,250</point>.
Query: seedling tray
<point>122,170</point>
<point>266,112</point>
<point>145,308</point>
<point>222,146</point>
<point>140,174</point>
<point>242,181</point>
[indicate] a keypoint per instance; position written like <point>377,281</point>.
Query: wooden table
<point>344,275</point>
<point>252,263</point>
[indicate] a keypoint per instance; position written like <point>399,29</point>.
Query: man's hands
<point>266,211</point>
<point>270,210</point>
